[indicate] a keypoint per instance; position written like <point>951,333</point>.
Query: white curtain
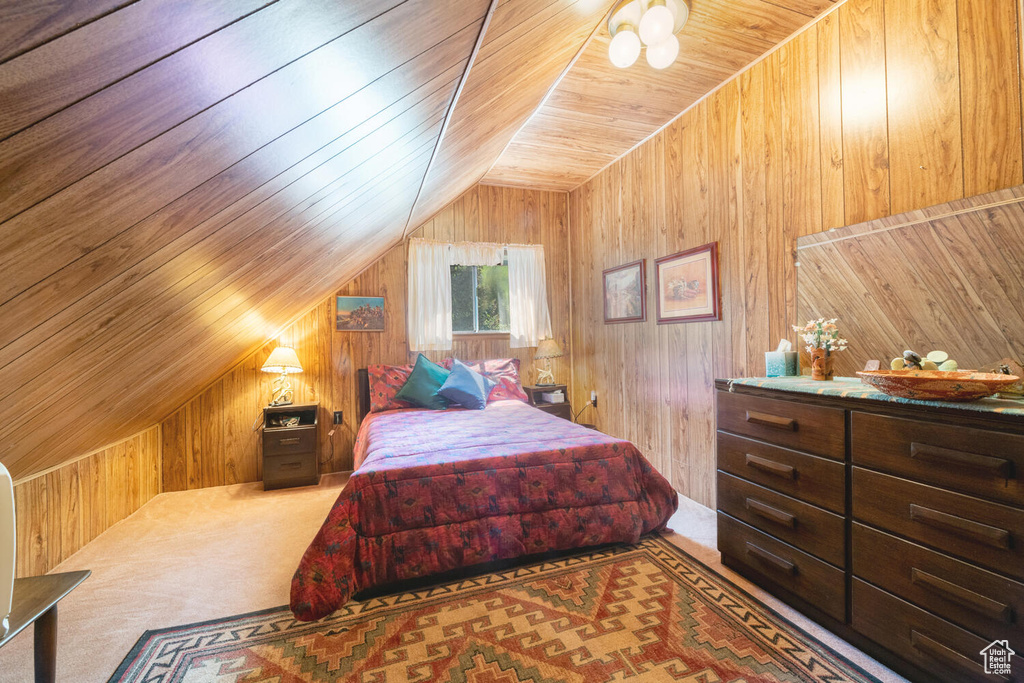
<point>530,320</point>
<point>477,254</point>
<point>430,296</point>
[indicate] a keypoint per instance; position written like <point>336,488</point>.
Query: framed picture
<point>360,314</point>
<point>625,293</point>
<point>687,285</point>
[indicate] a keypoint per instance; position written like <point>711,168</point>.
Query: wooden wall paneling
<point>755,218</point>
<point>989,95</point>
<point>830,119</point>
<point>778,248</point>
<point>61,510</point>
<point>965,298</point>
<point>923,93</point>
<point>330,359</point>
<point>865,110</point>
<point>801,139</point>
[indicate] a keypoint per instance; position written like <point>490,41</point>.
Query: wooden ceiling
<point>179,179</point>
<point>598,112</point>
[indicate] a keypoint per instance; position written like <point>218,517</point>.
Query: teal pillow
<point>423,383</point>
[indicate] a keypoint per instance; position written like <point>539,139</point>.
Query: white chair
<point>7,540</point>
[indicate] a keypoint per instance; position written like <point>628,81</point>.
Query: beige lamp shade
<point>283,360</point>
<point>548,348</point>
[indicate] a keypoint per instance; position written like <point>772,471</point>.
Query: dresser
<point>290,446</point>
<point>900,526</point>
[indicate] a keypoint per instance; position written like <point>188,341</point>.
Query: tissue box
<point>781,363</point>
<point>552,397</point>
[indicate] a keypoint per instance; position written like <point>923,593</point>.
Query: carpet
<point>648,612</point>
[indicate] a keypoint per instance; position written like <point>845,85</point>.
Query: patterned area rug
<point>648,612</point>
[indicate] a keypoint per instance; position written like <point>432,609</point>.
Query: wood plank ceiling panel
<point>598,112</point>
<point>528,46</point>
<point>168,210</point>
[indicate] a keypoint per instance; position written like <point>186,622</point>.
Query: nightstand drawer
<point>973,598</point>
<point>977,461</point>
<point>809,528</point>
<point>816,480</point>
<point>814,429</point>
<point>289,470</point>
<point>984,533</point>
<point>289,440</point>
<point>933,644</point>
<point>817,583</point>
<point>562,410</point>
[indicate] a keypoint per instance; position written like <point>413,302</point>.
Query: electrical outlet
<point>593,398</point>
<point>337,417</point>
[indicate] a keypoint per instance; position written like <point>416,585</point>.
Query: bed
<point>435,491</point>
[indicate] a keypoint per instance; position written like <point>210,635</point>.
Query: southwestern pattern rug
<point>648,612</point>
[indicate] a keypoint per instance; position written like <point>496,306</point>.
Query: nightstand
<point>562,410</point>
<point>290,446</point>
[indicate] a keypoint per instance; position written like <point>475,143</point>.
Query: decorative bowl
<point>936,385</point>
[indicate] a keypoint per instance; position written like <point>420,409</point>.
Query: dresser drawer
<point>807,477</point>
<point>988,534</point>
<point>973,598</point>
<point>817,531</point>
<point>923,639</point>
<point>986,463</point>
<point>289,470</point>
<point>808,578</point>
<point>288,441</point>
<point>814,429</point>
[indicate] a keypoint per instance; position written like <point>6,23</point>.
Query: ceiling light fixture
<point>654,23</point>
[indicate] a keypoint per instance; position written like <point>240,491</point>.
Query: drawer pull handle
<point>962,596</point>
<point>771,467</point>
<point>965,528</point>
<point>933,649</point>
<point>289,441</point>
<point>768,420</point>
<point>771,558</point>
<point>986,463</point>
<point>772,514</point>
<point>290,465</point>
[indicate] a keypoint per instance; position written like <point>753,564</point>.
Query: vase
<point>821,365</point>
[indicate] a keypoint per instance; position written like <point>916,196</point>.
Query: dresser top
<point>853,388</point>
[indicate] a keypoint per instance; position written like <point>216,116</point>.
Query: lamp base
<point>546,384</point>
<point>280,402</point>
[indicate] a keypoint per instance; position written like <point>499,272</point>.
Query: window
<point>480,299</point>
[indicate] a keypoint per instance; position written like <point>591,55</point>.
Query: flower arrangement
<point>822,334</point>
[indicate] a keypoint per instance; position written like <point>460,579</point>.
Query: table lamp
<point>283,360</point>
<point>546,350</point>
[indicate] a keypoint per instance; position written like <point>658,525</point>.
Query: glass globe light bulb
<point>656,24</point>
<point>662,55</point>
<point>624,49</point>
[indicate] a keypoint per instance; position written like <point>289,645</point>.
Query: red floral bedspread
<point>439,490</point>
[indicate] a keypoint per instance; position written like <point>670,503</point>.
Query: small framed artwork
<point>360,314</point>
<point>625,293</point>
<point>687,285</point>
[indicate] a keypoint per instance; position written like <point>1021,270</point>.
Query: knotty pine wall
<point>881,107</point>
<point>61,510</point>
<point>210,441</point>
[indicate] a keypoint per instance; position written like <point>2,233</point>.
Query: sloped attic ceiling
<point>180,178</point>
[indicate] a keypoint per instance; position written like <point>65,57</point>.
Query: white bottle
<point>7,540</point>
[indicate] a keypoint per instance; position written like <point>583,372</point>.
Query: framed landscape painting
<point>625,293</point>
<point>687,285</point>
<point>360,314</point>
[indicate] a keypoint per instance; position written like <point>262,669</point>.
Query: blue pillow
<point>466,386</point>
<point>423,383</point>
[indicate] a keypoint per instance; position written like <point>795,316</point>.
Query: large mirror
<point>950,277</point>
